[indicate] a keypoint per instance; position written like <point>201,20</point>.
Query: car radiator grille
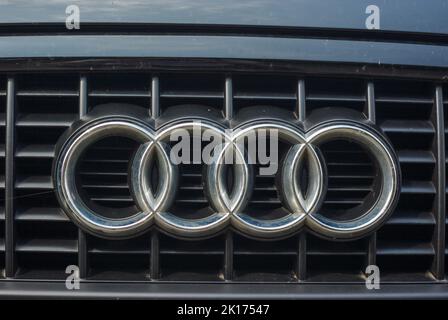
<point>38,241</point>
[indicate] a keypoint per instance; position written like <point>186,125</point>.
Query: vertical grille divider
<point>301,106</point>
<point>371,114</point>
<point>228,247</point>
<point>228,104</point>
<point>155,98</point>
<point>10,237</point>
<point>154,266</point>
<point>438,268</point>
<point>83,253</point>
<point>154,263</point>
<point>228,256</point>
<point>301,257</point>
<point>301,267</point>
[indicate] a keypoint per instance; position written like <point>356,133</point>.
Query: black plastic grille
<point>44,241</point>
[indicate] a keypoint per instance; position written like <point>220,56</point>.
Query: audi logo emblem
<point>302,204</point>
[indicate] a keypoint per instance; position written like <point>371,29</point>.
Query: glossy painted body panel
<point>224,47</point>
<point>406,15</point>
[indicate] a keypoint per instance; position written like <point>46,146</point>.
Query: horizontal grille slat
<point>191,188</point>
<point>47,93</point>
<point>420,187</point>
<point>42,120</point>
<point>341,98</point>
<point>35,151</point>
<point>345,201</point>
<point>48,245</point>
<point>352,188</point>
<point>188,94</point>
<point>119,94</point>
<point>192,201</point>
<point>34,182</point>
<point>93,173</point>
<point>101,186</point>
<point>264,253</point>
<point>407,126</point>
<point>191,252</point>
<point>41,214</point>
<point>126,251</point>
<point>416,156</point>
<point>412,217</point>
<point>335,253</point>
<point>263,96</point>
<point>106,160</point>
<point>113,199</point>
<point>404,100</point>
<point>424,249</point>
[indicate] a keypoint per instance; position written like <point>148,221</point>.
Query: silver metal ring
<point>192,227</point>
<point>247,223</point>
<point>389,169</point>
<point>65,182</point>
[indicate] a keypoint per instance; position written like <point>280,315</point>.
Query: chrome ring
<point>65,173</point>
<point>246,223</point>
<point>192,227</point>
<point>389,169</point>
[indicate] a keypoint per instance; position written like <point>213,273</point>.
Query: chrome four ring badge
<point>229,206</point>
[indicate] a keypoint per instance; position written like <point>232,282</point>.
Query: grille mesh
<point>46,241</point>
